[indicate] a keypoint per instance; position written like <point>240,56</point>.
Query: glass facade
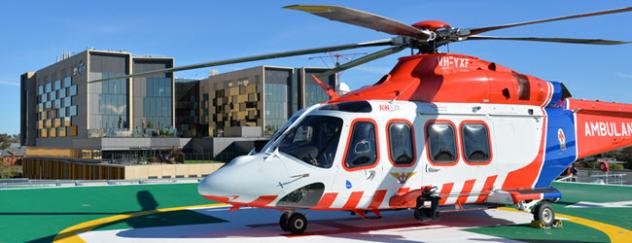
<point>314,94</point>
<point>276,99</point>
<point>109,104</point>
<point>56,108</point>
<point>157,104</point>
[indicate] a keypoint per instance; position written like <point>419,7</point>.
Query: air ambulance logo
<point>561,137</point>
<point>402,177</point>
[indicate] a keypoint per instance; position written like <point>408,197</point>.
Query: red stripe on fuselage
<point>262,201</point>
<point>326,201</point>
<point>353,201</point>
<point>489,185</point>
<point>465,192</point>
<point>445,192</point>
<point>378,197</point>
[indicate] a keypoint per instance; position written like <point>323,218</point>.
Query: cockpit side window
<point>362,149</point>
<point>314,140</point>
<point>441,142</point>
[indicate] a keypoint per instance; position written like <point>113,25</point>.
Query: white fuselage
<point>515,135</point>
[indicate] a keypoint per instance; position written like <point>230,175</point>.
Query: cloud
<point>10,83</point>
<point>623,75</point>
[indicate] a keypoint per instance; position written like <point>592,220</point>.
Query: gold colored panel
<point>72,131</point>
<point>242,98</point>
<point>52,132</point>
<point>251,88</point>
<point>233,91</point>
<point>61,132</point>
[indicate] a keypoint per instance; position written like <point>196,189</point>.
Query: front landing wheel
<point>545,214</point>
<point>297,223</point>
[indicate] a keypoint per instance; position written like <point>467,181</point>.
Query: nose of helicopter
<point>240,180</point>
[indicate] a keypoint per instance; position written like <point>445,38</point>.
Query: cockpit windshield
<point>273,140</point>
<point>314,140</point>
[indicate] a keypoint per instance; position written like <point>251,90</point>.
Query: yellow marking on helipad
<point>71,234</point>
<point>615,233</point>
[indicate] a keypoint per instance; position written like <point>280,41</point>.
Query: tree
<point>6,140</point>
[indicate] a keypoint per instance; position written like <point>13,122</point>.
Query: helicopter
<point>439,132</point>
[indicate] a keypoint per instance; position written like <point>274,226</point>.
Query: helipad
<point>175,213</point>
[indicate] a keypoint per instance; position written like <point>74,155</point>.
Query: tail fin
<point>601,126</point>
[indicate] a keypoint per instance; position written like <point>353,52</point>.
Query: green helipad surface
<point>37,215</point>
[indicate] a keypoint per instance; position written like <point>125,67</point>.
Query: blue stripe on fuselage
<point>558,155</point>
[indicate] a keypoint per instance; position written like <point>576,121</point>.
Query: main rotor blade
<point>474,31</point>
<point>363,60</point>
<point>363,19</point>
<point>384,42</point>
<point>555,40</point>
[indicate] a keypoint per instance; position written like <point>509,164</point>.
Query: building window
<point>476,142</point>
<point>157,106</point>
<point>400,143</point>
<point>441,143</point>
<point>73,90</point>
<point>362,148</point>
<point>67,82</point>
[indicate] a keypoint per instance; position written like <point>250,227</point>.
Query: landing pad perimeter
<point>175,213</point>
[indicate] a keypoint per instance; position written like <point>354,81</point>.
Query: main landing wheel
<point>283,221</point>
<point>297,223</point>
<point>544,213</point>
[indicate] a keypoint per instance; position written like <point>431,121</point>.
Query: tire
<point>297,223</point>
<point>283,221</point>
<point>545,214</point>
<point>418,215</point>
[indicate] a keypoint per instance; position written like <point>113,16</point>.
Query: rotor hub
<point>432,25</point>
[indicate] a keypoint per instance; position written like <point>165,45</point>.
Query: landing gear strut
<point>293,222</point>
<point>427,205</point>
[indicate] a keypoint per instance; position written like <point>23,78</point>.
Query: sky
<point>34,33</point>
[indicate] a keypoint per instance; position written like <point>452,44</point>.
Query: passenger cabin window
<point>441,143</point>
<point>362,149</point>
<point>476,142</point>
<point>400,140</point>
<point>314,140</point>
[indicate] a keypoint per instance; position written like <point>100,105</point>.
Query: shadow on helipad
<point>263,223</point>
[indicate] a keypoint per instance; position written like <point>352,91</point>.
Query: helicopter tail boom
<point>601,126</point>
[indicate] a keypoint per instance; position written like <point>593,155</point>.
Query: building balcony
<point>133,133</point>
